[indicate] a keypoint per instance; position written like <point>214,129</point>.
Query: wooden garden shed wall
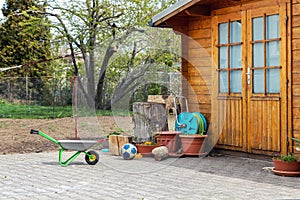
<point>200,65</point>
<point>198,68</point>
<point>295,68</point>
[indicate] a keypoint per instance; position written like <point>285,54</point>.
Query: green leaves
<point>25,14</point>
<point>24,39</point>
<point>288,158</point>
<point>81,26</point>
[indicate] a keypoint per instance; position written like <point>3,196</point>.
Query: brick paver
<point>39,176</point>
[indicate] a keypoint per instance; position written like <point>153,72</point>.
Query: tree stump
<point>149,118</point>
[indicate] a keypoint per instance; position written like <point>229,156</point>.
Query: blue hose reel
<point>190,123</point>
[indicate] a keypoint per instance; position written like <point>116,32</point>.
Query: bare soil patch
<point>15,136</point>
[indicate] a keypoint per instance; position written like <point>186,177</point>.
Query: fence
<point>159,83</point>
<point>43,91</point>
<point>53,92</point>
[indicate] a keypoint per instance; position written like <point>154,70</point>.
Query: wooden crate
<point>116,142</point>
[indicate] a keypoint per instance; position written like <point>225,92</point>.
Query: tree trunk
<point>91,74</point>
<point>99,90</point>
<point>127,85</point>
<point>99,93</point>
<point>149,118</point>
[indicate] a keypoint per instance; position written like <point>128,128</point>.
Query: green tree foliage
<point>24,39</point>
<point>88,25</point>
<point>140,60</point>
<point>85,26</point>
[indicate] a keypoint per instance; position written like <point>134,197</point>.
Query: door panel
<point>229,76</point>
<point>230,122</point>
<point>264,127</point>
<point>265,92</point>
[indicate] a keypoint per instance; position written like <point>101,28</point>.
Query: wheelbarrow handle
<point>32,131</point>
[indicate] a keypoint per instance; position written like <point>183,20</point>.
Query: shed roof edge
<point>169,11</point>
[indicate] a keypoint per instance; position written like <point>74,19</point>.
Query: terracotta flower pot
<point>145,149</point>
<point>192,144</point>
<point>284,168</point>
<point>170,140</point>
<point>281,165</point>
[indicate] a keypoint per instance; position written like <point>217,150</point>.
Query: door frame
<point>285,61</point>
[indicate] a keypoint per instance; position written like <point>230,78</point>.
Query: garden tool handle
<point>32,131</point>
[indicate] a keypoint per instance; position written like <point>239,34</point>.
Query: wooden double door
<point>250,90</point>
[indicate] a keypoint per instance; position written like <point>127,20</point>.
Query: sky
<point>1,4</point>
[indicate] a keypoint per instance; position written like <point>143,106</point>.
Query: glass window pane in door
<point>273,81</point>
<point>258,28</point>
<point>223,33</point>
<point>273,54</point>
<point>236,81</point>
<point>223,56</point>
<point>258,81</point>
<point>272,26</point>
<point>223,82</point>
<point>258,55</point>
<point>236,56</point>
<point>235,32</point>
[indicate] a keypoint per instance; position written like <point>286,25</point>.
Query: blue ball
<point>128,151</point>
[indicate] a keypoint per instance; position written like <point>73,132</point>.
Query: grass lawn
<point>46,112</point>
<point>34,112</point>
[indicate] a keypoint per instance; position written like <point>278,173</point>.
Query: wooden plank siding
<point>295,70</point>
<point>199,67</point>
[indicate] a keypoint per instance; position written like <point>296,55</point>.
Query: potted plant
<point>145,147</point>
<point>287,165</point>
<point>192,144</point>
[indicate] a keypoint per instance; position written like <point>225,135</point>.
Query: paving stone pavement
<point>39,176</point>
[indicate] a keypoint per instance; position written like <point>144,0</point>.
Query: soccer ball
<point>128,151</point>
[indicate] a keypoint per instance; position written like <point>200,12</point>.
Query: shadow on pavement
<point>235,167</point>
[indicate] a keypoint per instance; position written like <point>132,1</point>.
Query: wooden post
<point>149,118</point>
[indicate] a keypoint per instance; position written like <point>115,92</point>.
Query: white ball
<point>128,151</point>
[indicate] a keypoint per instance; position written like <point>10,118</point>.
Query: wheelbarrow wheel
<point>92,157</point>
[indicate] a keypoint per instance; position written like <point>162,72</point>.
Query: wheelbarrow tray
<point>77,145</point>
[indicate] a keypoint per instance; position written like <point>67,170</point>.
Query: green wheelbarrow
<point>81,146</point>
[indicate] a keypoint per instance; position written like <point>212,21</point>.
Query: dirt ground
<point>15,134</point>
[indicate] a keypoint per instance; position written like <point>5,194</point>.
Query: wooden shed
<point>241,59</point>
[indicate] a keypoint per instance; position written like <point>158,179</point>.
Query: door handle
<point>248,75</point>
